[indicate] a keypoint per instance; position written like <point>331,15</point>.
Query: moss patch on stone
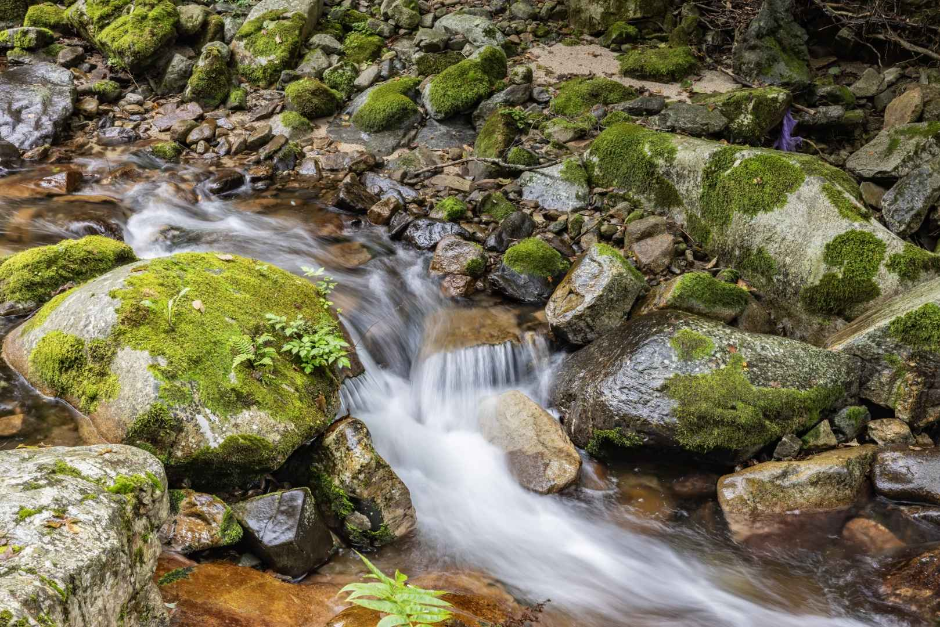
<point>295,122</point>
<point>629,156</point>
<point>168,151</point>
<point>721,410</point>
<point>107,90</point>
<point>579,95</point>
<point>518,155</point>
<point>237,99</point>
<point>668,64</point>
<point>33,275</point>
<point>273,39</point>
<point>387,106</point>
<point>606,250</point>
<point>177,574</point>
<point>461,87</point>
<point>340,78</point>
<point>857,255</point>
<point>533,257</point>
<point>136,37</point>
<point>919,329</point>
<point>619,33</point>
<point>210,81</point>
<point>436,62</point>
<point>912,262</point>
<point>452,209</point>
<point>46,15</point>
<point>758,263</point>
<point>311,98</point>
<point>846,207</point>
<point>360,48</point>
<point>691,345</point>
<point>751,112</point>
<point>74,370</point>
<point>497,206</point>
<point>700,290</point>
<point>603,442</point>
<point>496,136</point>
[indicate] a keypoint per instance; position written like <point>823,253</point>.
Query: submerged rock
<point>595,296</point>
<point>905,474</point>
<point>540,455</point>
<point>166,379</point>
<point>78,535</point>
<point>198,522</point>
<point>676,381</point>
<point>359,495</point>
<point>36,100</point>
<point>911,584</point>
<point>771,501</point>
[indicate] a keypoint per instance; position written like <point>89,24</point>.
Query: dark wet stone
<point>425,233</point>
<point>905,474</point>
<point>259,137</point>
<point>353,196</point>
<point>516,226</point>
<point>36,100</point>
<point>116,136</point>
<point>788,447</point>
<point>382,186</point>
<point>225,181</point>
<point>399,223</point>
<point>442,135</point>
<point>691,119</point>
<point>286,531</point>
<point>522,287</point>
<point>911,584</point>
<point>9,155</point>
<point>643,106</point>
<point>850,421</point>
<point>269,149</point>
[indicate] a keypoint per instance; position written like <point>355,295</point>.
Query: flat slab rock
<point>79,536</point>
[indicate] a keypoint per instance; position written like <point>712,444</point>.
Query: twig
<point>490,160</point>
<point>907,45</point>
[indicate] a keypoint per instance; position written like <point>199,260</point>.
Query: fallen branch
<point>907,45</point>
<point>490,160</point>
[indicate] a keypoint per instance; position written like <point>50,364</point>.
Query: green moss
<point>340,78</point>
<point>759,263</point>
<point>360,48</point>
<point>43,314</point>
<point>60,467</point>
<point>919,329</point>
<point>26,512</point>
<point>752,112</point>
<point>475,266</point>
<point>230,532</point>
<point>685,31</point>
<point>579,95</point>
<point>13,10</point>
<point>913,261</point>
<point>520,156</point>
<point>722,410</point>
<point>691,345</point>
<point>619,33</point>
<point>698,291</point>
<point>496,136</point>
<point>669,64</point>
<point>63,593</point>
<point>131,484</point>
<point>387,106</point>
<point>176,497</point>
<point>237,99</point>
<point>497,206</point>
<point>210,81</point>
<point>606,250</point>
<point>137,36</point>
<point>452,209</point>
<point>814,166</point>
<point>327,492</point>
<point>615,117</point>
<point>273,39</point>
<point>573,172</point>
<point>79,373</point>
<point>295,122</point>
<point>630,157</point>
<point>46,15</point>
<point>311,98</point>
<point>461,87</point>
<point>604,440</point>
<point>168,151</point>
<point>533,257</point>
<point>858,254</point>
<point>106,90</point>
<point>155,428</point>
<point>366,538</point>
<point>493,62</point>
<point>177,574</point>
<point>846,207</point>
<point>436,62</point>
<point>330,27</point>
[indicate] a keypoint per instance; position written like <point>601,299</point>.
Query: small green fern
<point>253,350</point>
<point>401,603</point>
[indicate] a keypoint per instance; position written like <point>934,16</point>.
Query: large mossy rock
<point>751,113</point>
<point>168,383</point>
<point>671,380</point>
<point>772,49</point>
<point>896,152</point>
<point>79,540</point>
<point>210,82</point>
<point>271,37</point>
<point>461,87</point>
<point>596,16</point>
<point>132,33</point>
<point>31,278</point>
<point>898,344</point>
<point>794,226</point>
<point>796,501</point>
<point>36,100</point>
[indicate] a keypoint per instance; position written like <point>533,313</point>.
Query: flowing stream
<point>599,561</point>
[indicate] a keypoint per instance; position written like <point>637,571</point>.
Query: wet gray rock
<point>512,95</point>
<point>359,495</point>
<point>431,40</point>
<point>116,136</point>
<point>906,204</point>
<point>896,152</point>
<point>326,43</point>
<point>383,187</point>
<point>638,379</point>
<point>691,119</point>
<point>171,114</point>
<point>540,455</point>
<point>906,474</point>
<point>79,539</point>
<point>819,438</point>
<point>286,530</point>
<point>772,49</point>
<point>887,431</point>
<point>910,583</point>
<point>401,13</point>
<point>795,501</point>
<point>521,287</point>
<point>26,38</point>
<point>516,226</point>
<point>454,255</point>
<point>9,155</point>
<point>445,134</point>
<point>869,84</point>
<point>479,31</point>
<point>554,190</point>
<point>425,233</point>
<point>595,296</point>
<point>788,447</point>
<point>642,106</point>
<point>175,71</point>
<point>36,100</point>
<point>353,195</point>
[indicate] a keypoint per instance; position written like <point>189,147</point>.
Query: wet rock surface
<point>908,474</point>
<point>35,103</point>
<point>198,522</point>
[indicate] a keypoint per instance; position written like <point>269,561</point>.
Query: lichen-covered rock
<point>906,204</point>
<point>792,225</point>
<point>676,381</point>
<point>404,13</point>
<point>454,255</point>
<point>479,31</point>
<point>905,474</point>
<point>210,81</point>
<point>752,113</point>
<point>898,345</point>
<point>595,16</point>
<point>36,100</point>
<point>699,293</point>
<point>78,536</point>
<point>561,187</point>
<point>286,530</point>
<point>595,296</point>
<point>771,501</point>
<point>198,522</point>
<point>30,278</point>
<point>889,431</point>
<point>271,38</point>
<point>772,49</point>
<point>540,455</point>
<point>461,87</point>
<point>529,271</point>
<point>26,38</point>
<point>131,33</point>
<point>167,380</point>
<point>690,119</point>
<point>896,152</point>
<point>359,495</point>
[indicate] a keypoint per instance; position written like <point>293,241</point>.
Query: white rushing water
<point>422,414</point>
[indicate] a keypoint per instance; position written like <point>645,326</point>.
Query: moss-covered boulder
<point>388,106</point>
<point>311,98</point>
<point>496,136</point>
<point>361,48</point>
<point>595,16</point>
<point>31,278</point>
<point>578,95</point>
<point>529,270</point>
<point>699,293</point>
<point>772,49</point>
<point>132,34</point>
<point>25,38</point>
<point>46,15</point>
<point>211,80</point>
<point>671,380</point>
<point>751,113</point>
<point>899,345</point>
<point>272,36</point>
<point>666,65</point>
<point>461,87</point>
<point>168,355</point>
<point>12,12</point>
<point>794,226</point>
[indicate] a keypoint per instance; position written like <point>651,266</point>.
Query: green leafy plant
<point>325,284</point>
<point>316,346</point>
<point>401,603</point>
<point>255,351</point>
<point>170,304</point>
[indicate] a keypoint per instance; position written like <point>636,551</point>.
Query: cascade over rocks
<point>792,225</point>
<point>36,100</point>
<point>676,381</point>
<point>167,381</point>
<point>78,535</point>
